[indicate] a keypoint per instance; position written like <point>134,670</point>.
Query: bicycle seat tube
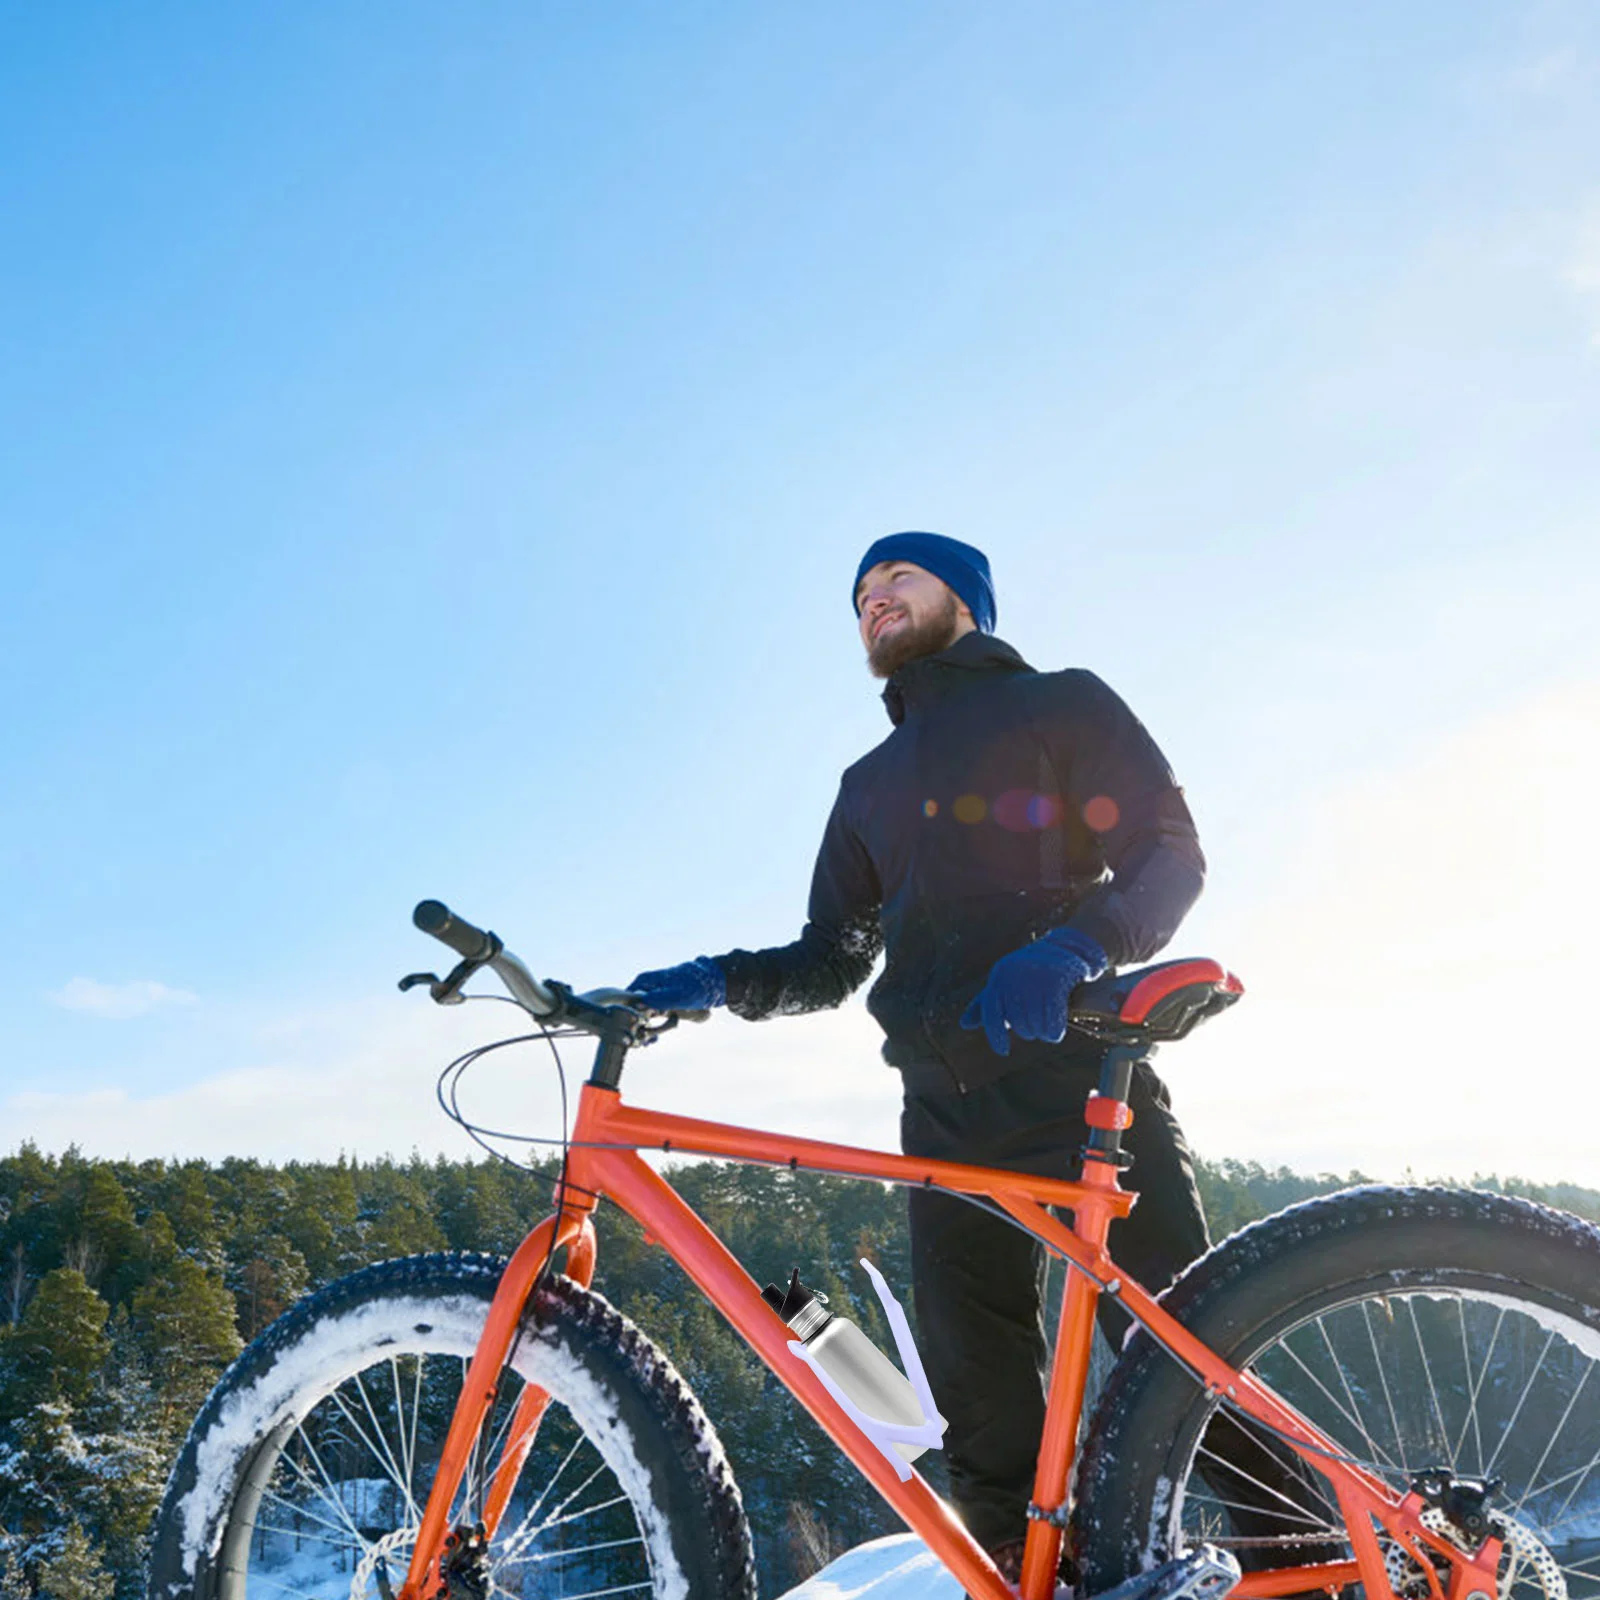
<point>1107,1114</point>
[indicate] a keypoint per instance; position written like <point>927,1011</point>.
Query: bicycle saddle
<point>1157,1003</point>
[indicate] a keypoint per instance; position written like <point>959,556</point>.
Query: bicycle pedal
<point>1206,1573</point>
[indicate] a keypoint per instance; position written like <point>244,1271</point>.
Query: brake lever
<point>445,991</point>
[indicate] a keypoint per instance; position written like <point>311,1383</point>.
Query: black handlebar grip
<point>436,918</point>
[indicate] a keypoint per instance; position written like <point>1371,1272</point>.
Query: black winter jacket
<point>1005,802</point>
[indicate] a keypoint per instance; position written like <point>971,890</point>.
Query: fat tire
<point>1151,1414</point>
<point>674,1442</point>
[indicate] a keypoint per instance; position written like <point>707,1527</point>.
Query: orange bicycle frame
<point>604,1160</point>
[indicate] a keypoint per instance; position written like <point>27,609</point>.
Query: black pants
<point>979,1282</point>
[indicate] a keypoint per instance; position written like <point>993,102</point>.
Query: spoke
<point>401,1479</point>
<point>380,1455</point>
<point>1268,1541</point>
<point>1475,1386</point>
<point>1577,1477</point>
<point>1388,1399</point>
<point>1550,1444</point>
<point>566,1553</point>
<point>1301,1513</point>
<point>408,1439</point>
<point>1378,1453</point>
<point>526,1531</point>
<point>301,1514</point>
<point>588,1511</point>
<point>416,1406</point>
<point>1427,1372</point>
<point>1376,1450</point>
<point>1322,1530</point>
<point>556,1516</point>
<point>622,1588</point>
<point>1527,1389</point>
<point>332,1497</point>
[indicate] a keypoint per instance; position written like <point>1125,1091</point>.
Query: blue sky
<point>437,446</point>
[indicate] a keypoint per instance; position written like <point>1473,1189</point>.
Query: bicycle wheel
<point>308,1468</point>
<point>1418,1329</point>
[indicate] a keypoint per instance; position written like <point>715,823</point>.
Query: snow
<point>1585,1339</point>
<point>897,1568</point>
<point>900,1567</point>
<point>328,1351</point>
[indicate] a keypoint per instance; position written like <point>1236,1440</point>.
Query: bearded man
<point>1017,834</point>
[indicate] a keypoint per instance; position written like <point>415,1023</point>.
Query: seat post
<point>1107,1112</point>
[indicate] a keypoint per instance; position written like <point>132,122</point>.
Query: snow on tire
<point>307,1469</point>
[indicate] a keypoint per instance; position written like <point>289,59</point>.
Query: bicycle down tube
<point>604,1161</point>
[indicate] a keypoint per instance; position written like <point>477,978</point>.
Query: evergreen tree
<point>41,1475</point>
<point>186,1200</point>
<point>109,1233</point>
<point>396,1211</point>
<point>14,1583</point>
<point>75,1571</point>
<point>55,1352</point>
<point>17,1282</point>
<point>324,1223</point>
<point>475,1207</point>
<point>183,1319</point>
<point>128,1450</point>
<point>263,1270</point>
<point>34,1223</point>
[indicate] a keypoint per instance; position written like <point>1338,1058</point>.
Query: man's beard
<point>915,639</point>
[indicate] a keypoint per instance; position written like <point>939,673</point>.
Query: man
<point>1016,834</point>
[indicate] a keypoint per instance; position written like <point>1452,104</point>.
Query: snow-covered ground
<point>897,1568</point>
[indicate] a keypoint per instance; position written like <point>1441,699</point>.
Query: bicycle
<point>1389,1390</point>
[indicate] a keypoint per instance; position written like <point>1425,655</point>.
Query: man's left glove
<point>1029,989</point>
<point>696,985</point>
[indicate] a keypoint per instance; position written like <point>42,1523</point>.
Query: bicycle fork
<point>571,1228</point>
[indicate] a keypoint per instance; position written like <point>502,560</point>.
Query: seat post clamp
<point>1057,1518</point>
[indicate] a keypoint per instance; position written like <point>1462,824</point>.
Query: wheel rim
<point>1469,1378</point>
<point>339,1483</point>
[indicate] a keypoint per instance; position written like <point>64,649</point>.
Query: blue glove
<point>696,985</point>
<point>1028,990</point>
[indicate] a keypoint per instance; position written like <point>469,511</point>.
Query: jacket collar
<point>973,658</point>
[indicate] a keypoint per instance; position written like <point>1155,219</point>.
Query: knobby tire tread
<point>591,1327</point>
<point>1257,1276</point>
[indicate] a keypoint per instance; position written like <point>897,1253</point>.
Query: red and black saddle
<point>1154,1004</point>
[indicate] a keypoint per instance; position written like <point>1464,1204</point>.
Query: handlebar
<point>436,918</point>
<point>478,948</point>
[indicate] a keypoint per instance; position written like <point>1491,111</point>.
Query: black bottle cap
<point>791,1302</point>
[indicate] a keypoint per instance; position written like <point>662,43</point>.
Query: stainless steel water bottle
<point>850,1358</point>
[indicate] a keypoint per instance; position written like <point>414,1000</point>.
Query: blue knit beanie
<point>963,568</point>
